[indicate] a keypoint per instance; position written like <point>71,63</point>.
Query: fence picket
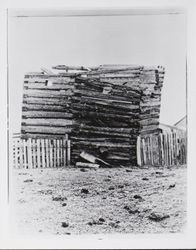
<point>57,153</point>
<point>47,153</point>
<point>64,153</point>
<point>51,153</point>
<point>38,154</point>
<point>68,152</point>
<point>24,154</point>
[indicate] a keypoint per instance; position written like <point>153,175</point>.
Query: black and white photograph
<point>99,143</point>
<point>97,122</point>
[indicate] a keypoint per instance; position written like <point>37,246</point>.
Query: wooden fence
<point>40,153</point>
<point>163,149</point>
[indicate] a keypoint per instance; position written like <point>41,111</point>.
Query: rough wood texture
<point>103,108</point>
<point>163,148</point>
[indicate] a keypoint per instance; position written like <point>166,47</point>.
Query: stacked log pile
<point>46,105</point>
<point>112,105</point>
<point>107,121</point>
<point>103,108</point>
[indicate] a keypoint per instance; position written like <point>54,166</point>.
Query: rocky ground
<point>77,201</point>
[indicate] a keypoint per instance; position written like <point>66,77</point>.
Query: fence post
<point>139,151</point>
<point>29,154</point>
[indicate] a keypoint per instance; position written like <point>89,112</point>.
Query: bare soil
<point>121,200</point>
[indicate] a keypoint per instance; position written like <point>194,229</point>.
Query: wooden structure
<point>103,109</point>
<point>40,153</point>
<point>166,147</point>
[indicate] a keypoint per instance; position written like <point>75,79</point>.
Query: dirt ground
<point>122,200</point>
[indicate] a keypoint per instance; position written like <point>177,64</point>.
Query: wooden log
<point>119,75</point>
<point>120,66</point>
<point>64,67</point>
<point>48,91</point>
<point>46,114</point>
<point>48,122</point>
<point>44,76</point>
<point>99,109</point>
<point>41,135</point>
<point>46,101</point>
<point>43,94</point>
<point>104,144</point>
<point>87,165</point>
<point>38,107</point>
<point>114,71</point>
<point>88,114</point>
<point>45,130</point>
<point>44,87</point>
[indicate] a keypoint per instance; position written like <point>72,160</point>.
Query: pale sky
<point>35,42</point>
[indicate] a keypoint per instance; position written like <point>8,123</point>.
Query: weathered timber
<point>39,107</point>
<point>48,122</point>
<point>46,129</point>
<point>45,114</point>
<point>110,106</point>
<point>87,165</point>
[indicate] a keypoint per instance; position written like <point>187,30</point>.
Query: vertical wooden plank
<point>151,149</point>
<point>58,153</point>
<point>29,153</point>
<point>38,154</point>
<point>165,148</point>
<point>69,152</point>
<point>33,152</point>
<point>170,149</point>
<point>47,151</point>
<point>159,150</point>
<point>17,155</point>
<point>146,147</point>
<point>162,150</point>
<point>166,155</point>
<point>168,144</point>
<point>141,150</point>
<point>143,143</point>
<point>24,153</point>
<point>51,152</point>
<point>171,142</point>
<point>139,163</point>
<point>173,149</point>
<point>65,152</point>
<point>176,144</point>
<point>62,153</point>
<point>43,153</point>
<point>54,153</point>
<point>20,153</point>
